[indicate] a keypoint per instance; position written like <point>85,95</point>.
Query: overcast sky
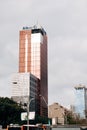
<point>65,22</point>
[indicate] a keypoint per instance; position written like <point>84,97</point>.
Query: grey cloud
<point>67,65</point>
<point>66,24</point>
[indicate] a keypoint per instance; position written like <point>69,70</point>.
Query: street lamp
<point>44,101</point>
<point>28,104</point>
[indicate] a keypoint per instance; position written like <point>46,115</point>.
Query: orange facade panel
<point>21,64</point>
<point>21,69</point>
<point>25,53</point>
<point>22,59</point>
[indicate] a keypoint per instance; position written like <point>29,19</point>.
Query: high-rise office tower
<point>81,101</point>
<point>33,59</point>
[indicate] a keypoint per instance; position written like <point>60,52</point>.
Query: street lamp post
<point>44,100</point>
<point>28,104</point>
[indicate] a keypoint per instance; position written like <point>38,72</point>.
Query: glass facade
<point>35,55</point>
<point>86,102</point>
<point>81,101</point>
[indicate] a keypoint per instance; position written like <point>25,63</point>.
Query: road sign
<point>24,116</point>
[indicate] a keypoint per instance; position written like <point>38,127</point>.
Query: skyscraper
<point>33,60</point>
<point>81,101</point>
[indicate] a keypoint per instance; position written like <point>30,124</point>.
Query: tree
<point>10,112</point>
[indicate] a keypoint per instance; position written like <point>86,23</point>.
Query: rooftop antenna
<point>38,25</point>
<point>37,22</point>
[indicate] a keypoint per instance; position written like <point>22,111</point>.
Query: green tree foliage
<point>71,119</point>
<point>10,112</point>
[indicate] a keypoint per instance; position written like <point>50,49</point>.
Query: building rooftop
<point>80,86</point>
<point>36,28</point>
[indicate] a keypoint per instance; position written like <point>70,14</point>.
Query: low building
<point>25,87</point>
<point>56,113</point>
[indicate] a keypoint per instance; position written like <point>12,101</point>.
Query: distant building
<point>72,108</point>
<point>81,101</point>
<point>56,113</point>
<point>33,67</point>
